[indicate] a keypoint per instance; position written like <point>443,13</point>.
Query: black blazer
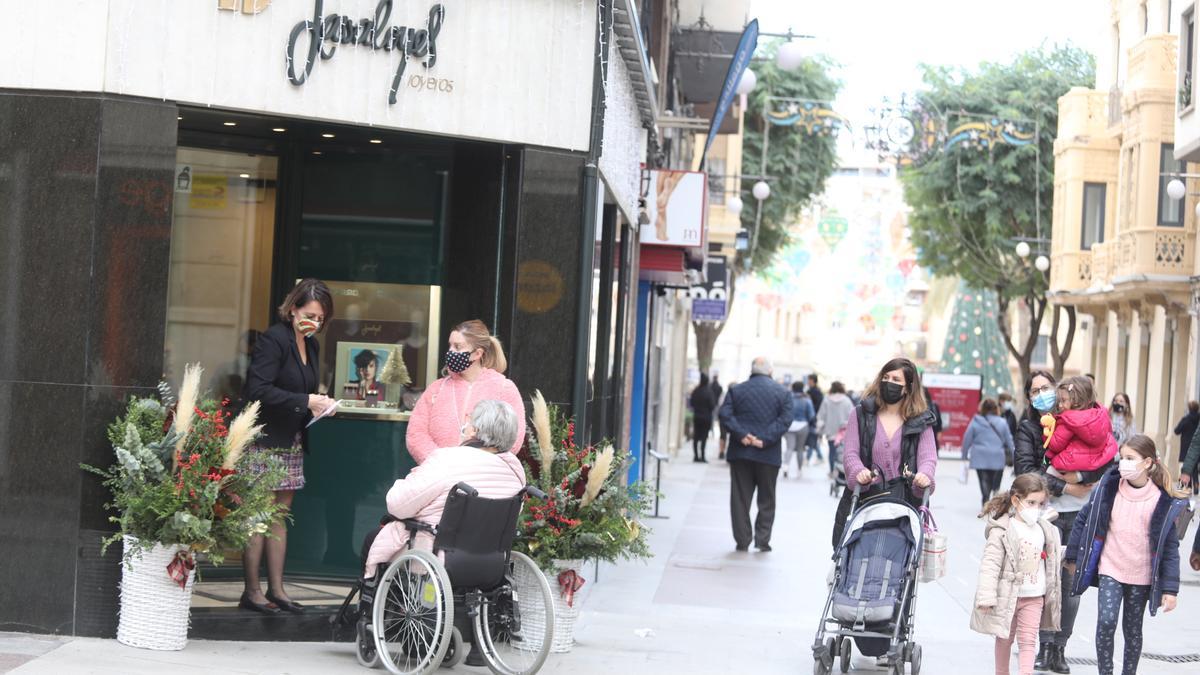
<point>281,382</point>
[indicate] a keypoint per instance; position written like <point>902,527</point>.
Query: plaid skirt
<point>293,462</point>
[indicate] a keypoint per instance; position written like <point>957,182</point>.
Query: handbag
<point>933,550</point>
<point>1184,519</point>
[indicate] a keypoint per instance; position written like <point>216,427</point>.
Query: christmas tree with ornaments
<point>974,343</point>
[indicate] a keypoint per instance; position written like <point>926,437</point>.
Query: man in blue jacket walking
<point>757,413</point>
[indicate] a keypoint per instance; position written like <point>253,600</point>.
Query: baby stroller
<point>872,600</point>
<point>422,608</point>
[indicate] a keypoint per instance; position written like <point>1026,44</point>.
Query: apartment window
<point>1093,214</point>
<point>1041,351</point>
<point>1170,211</point>
<point>716,180</point>
<point>1188,52</point>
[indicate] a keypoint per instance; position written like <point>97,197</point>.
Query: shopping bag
<point>1183,520</point>
<point>933,551</point>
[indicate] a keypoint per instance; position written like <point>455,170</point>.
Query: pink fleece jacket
<point>437,420</point>
<point>1126,555</point>
<point>422,494</point>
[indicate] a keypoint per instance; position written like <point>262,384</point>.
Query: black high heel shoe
<point>286,605</point>
<point>263,608</point>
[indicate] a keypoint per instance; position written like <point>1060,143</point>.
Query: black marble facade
<point>85,221</point>
<point>544,229</point>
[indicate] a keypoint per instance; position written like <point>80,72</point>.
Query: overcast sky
<point>880,42</point>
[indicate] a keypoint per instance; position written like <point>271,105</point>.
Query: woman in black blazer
<point>283,378</point>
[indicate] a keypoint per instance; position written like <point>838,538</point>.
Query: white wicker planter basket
<point>564,615</point>
<point>154,609</point>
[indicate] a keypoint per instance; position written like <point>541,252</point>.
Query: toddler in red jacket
<point>1079,437</point>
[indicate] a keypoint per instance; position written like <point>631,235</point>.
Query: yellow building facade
<point>1122,250</point>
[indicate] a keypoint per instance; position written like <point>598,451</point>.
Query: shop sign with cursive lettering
<point>327,32</point>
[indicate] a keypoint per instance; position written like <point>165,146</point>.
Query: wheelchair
<point>423,609</point>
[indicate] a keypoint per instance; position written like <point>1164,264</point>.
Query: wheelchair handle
<point>466,490</point>
<point>533,491</point>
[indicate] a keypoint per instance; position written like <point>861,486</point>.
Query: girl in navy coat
<point>1111,547</point>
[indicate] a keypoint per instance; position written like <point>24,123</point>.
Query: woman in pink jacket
<point>475,365</point>
<point>483,462</point>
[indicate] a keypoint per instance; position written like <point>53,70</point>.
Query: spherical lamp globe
<point>761,190</point>
<point>734,205</point>
<point>1023,249</point>
<point>790,56</point>
<point>1042,263</point>
<point>746,84</point>
<point>1176,189</point>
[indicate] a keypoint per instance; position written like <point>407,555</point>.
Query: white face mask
<point>1130,469</point>
<point>1030,515</point>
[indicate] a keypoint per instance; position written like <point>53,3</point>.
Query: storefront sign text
<point>325,33</point>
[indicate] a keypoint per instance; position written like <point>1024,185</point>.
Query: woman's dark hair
<point>703,380</point>
<point>365,358</point>
<point>837,388</point>
<point>914,402</point>
<point>989,407</point>
<point>1194,406</point>
<point>305,292</point>
<point>797,387</point>
<point>1030,411</point>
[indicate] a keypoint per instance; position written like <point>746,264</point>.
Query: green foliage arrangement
<point>181,477</point>
<point>589,512</point>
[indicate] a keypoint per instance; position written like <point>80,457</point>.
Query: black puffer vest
<point>910,439</point>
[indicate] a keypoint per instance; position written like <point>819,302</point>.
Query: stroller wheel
<point>844,655</point>
<point>914,660</point>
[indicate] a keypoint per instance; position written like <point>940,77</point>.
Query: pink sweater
<point>437,420</point>
<point>1126,555</point>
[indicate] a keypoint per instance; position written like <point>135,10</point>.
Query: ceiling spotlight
<point>230,124</point>
<point>279,129</point>
<point>326,135</point>
<point>316,152</point>
<point>243,175</point>
<point>179,117</point>
<point>376,141</point>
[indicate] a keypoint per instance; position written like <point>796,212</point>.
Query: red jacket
<point>1082,440</point>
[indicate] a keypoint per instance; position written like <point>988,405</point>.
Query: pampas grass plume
<point>541,428</point>
<point>242,431</point>
<point>185,410</point>
<point>599,473</point>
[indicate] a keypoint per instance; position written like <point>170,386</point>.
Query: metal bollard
<point>659,458</point>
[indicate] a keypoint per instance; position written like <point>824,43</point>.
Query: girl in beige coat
<point>1019,581</point>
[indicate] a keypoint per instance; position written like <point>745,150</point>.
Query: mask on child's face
<point>1030,514</point>
<point>1131,469</point>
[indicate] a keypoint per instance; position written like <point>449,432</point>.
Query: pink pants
<point>1026,621</point>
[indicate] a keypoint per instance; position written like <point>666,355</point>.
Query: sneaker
<point>765,548</point>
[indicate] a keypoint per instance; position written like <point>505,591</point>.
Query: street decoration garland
<point>814,118</point>
<point>985,134</point>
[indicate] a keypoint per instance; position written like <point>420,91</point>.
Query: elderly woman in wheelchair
<point>440,568</point>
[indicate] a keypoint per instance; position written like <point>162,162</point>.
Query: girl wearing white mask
<point>1019,590</point>
<point>1113,553</point>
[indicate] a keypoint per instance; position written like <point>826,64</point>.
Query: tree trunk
<point>1037,310</point>
<point>707,332</point>
<point>1061,354</point>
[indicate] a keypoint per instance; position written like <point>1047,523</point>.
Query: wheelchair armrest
<point>415,526</point>
<point>532,491</point>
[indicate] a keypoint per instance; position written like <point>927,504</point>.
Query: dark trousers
<point>745,478</point>
<point>701,428</point>
<point>989,482</point>
<point>1070,603</point>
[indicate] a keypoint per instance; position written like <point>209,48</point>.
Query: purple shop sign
<point>708,310</point>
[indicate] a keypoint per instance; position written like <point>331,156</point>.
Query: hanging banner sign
<point>741,59</point>
<point>710,300</point>
<point>958,398</point>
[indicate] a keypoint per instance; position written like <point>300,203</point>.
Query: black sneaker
<point>765,548</point>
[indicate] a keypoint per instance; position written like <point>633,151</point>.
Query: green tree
<point>798,165</point>
<point>971,204</point>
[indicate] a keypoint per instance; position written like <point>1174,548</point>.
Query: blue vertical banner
<point>737,65</point>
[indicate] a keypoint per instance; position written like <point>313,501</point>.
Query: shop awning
<point>663,264</point>
<point>701,61</point>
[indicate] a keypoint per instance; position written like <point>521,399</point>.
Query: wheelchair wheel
<point>515,628</point>
<point>457,651</point>
<point>364,645</point>
<point>413,614</point>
